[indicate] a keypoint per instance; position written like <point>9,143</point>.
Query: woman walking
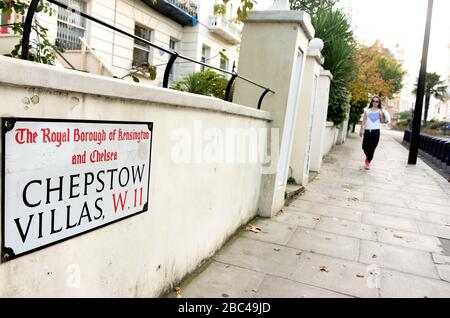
<point>370,128</point>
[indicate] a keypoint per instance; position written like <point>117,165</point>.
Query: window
<point>223,64</point>
<point>205,56</point>
<point>173,45</point>
<point>142,52</point>
<point>71,26</point>
<point>5,19</point>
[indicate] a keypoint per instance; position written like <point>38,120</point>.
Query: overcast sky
<point>401,22</point>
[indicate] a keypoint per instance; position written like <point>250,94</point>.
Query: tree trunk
<point>427,104</point>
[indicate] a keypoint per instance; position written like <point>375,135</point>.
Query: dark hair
<point>379,102</point>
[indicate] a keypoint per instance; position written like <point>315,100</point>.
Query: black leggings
<point>370,142</point>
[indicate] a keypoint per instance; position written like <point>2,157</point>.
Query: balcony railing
<point>225,29</point>
<point>184,12</point>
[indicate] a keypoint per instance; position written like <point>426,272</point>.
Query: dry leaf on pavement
<point>178,292</point>
<point>324,269</point>
<point>359,275</point>
<point>398,236</point>
<point>252,228</point>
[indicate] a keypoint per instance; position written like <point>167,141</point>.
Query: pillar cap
<point>327,73</point>
<point>299,17</point>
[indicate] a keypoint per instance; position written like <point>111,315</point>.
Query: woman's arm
<point>382,118</point>
<point>363,125</point>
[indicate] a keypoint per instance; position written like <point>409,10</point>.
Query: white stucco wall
<point>193,208</point>
<point>329,137</point>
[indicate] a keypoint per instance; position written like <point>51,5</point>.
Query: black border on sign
<point>5,129</point>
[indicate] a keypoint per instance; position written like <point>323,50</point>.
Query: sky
<point>401,22</point>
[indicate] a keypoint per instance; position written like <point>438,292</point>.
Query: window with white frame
<point>173,45</point>
<point>206,51</point>
<point>142,52</point>
<point>71,26</point>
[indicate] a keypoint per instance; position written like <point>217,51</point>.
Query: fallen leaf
<point>354,199</point>
<point>225,295</point>
<point>398,236</point>
<point>276,249</point>
<point>324,269</point>
<point>254,290</point>
<point>299,253</point>
<point>317,219</point>
<point>178,292</point>
<point>252,228</point>
<point>374,256</point>
<point>360,275</point>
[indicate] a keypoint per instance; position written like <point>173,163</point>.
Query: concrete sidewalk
<point>353,233</point>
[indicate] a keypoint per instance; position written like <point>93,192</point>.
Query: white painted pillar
<point>301,151</point>
<point>273,51</point>
<point>320,120</point>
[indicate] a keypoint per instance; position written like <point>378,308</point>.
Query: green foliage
<point>404,117</point>
<point>312,6</point>
<point>291,181</point>
<point>391,72</point>
<point>333,27</point>
<point>433,88</point>
<point>356,110</point>
<point>207,83</point>
<point>220,9</point>
<point>41,49</point>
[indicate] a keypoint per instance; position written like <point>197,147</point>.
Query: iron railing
<point>437,148</point>
<point>173,54</point>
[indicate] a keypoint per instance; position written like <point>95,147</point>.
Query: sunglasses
<point>375,101</point>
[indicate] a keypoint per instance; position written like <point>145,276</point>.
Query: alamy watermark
<point>200,145</point>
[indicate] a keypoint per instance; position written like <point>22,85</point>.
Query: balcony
<point>225,29</point>
<point>184,12</point>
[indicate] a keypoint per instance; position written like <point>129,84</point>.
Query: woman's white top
<point>373,119</point>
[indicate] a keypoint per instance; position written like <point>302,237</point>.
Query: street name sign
<point>63,178</point>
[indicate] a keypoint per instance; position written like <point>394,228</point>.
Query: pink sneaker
<point>367,164</point>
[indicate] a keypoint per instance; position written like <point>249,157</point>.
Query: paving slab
<point>441,259</point>
<point>434,229</point>
<point>325,243</point>
<point>297,218</point>
<point>326,210</point>
<point>395,284</point>
<point>272,232</point>
<point>409,239</point>
<point>390,221</point>
<point>348,228</point>
<point>276,287</point>
<point>260,256</point>
<point>342,276</point>
<point>397,211</point>
<point>219,281</point>
<point>444,271</point>
<point>398,258</point>
<point>441,219</point>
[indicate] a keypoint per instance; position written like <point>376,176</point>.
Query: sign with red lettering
<point>62,178</point>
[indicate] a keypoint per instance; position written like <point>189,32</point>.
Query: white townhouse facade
<point>190,27</point>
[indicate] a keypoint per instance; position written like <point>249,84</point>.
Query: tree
<point>378,74</point>
<point>433,87</point>
<point>312,6</point>
<point>333,27</point>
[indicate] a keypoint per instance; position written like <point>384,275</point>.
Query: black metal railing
<point>437,148</point>
<point>173,54</point>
